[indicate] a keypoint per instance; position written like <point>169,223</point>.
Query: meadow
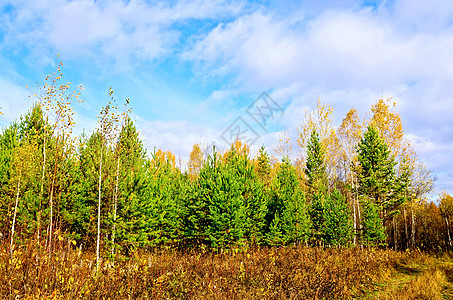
<point>291,272</point>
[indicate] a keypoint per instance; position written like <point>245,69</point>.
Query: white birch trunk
<point>15,214</point>
<point>448,232</point>
<point>99,214</point>
<point>115,204</point>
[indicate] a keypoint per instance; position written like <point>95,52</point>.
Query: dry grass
<point>419,276</point>
<point>267,273</point>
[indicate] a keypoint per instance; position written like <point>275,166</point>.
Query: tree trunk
<point>395,232</point>
<point>115,204</point>
<point>41,192</point>
<point>448,232</point>
<point>99,214</point>
<point>413,226</point>
<point>15,214</point>
<point>51,214</point>
<point>355,220</point>
<point>405,228</point>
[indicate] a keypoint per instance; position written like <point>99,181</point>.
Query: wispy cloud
<point>192,67</point>
<point>114,29</point>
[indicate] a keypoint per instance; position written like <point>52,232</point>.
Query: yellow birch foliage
<point>390,127</point>
<point>195,161</point>
<point>388,121</point>
<point>349,135</point>
<point>56,99</point>
<point>161,158</point>
<point>284,147</point>
<point>321,119</point>
<point>242,149</point>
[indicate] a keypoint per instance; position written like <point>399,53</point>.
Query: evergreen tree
<point>157,210</point>
<point>376,179</point>
<point>317,183</point>
<point>337,224</point>
<point>263,168</point>
<point>316,212</point>
<point>82,207</point>
<point>375,170</point>
<point>287,217</point>
<point>229,205</point>
<point>130,180</point>
<point>373,229</point>
<point>9,141</point>
<point>315,165</point>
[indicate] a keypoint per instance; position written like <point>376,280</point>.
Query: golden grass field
<point>262,273</point>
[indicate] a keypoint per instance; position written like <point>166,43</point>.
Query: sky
<point>195,71</point>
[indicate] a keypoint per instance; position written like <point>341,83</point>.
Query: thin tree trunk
<point>395,231</point>
<point>51,213</point>
<point>413,226</point>
<point>41,192</point>
<point>359,218</point>
<point>405,228</point>
<point>52,189</point>
<point>99,214</point>
<point>355,220</point>
<point>448,232</point>
<point>115,203</point>
<point>15,214</point>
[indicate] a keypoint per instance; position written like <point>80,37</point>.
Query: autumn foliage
<point>97,216</point>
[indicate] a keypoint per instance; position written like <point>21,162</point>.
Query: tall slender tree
<point>317,183</point>
<point>375,173</point>
<point>376,176</point>
<point>108,122</point>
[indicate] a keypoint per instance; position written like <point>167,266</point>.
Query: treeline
<point>359,184</point>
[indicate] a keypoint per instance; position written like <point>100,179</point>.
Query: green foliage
<point>263,168</point>
<point>229,202</point>
<point>376,169</point>
<point>337,224</point>
<point>287,217</point>
<point>315,165</point>
<point>373,228</point>
<point>229,205</point>
<point>9,140</point>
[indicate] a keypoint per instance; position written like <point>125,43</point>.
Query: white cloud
<point>348,58</point>
<point>14,100</point>
<point>113,29</point>
<point>343,53</point>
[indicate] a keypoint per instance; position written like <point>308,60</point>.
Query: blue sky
<point>191,68</point>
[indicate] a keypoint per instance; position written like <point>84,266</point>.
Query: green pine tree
<point>317,183</point>
<point>376,179</point>
<point>337,223</point>
<point>229,206</point>
<point>263,166</point>
<point>287,218</point>
<point>376,169</point>
<point>373,230</point>
<point>315,165</point>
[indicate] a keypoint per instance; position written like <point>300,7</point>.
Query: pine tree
<point>229,205</point>
<point>156,213</point>
<point>337,224</point>
<point>317,183</point>
<point>130,179</point>
<point>287,218</point>
<point>263,168</point>
<point>9,141</point>
<point>375,170</point>
<point>315,165</point>
<point>373,229</point>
